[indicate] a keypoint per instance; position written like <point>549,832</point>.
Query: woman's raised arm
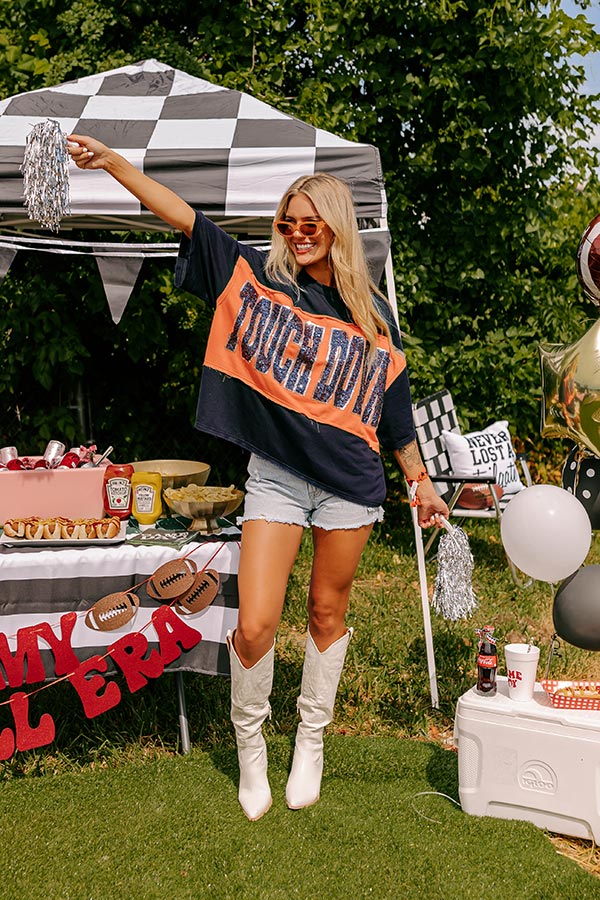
<point>88,153</point>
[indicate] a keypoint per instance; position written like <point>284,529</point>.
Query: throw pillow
<point>487,452</point>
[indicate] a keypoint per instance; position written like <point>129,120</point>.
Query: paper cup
<point>521,669</point>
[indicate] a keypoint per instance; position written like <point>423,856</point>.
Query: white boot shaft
<point>250,691</point>
<point>320,679</point>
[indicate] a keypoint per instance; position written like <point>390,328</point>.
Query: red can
<point>69,461</point>
<point>117,490</point>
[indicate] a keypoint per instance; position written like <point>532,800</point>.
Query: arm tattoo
<point>410,457</point>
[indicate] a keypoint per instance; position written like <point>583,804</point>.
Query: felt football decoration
<point>174,578</point>
<point>202,593</point>
<point>112,611</point>
<point>588,261</point>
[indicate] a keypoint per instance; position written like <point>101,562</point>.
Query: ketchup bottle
<point>117,490</point>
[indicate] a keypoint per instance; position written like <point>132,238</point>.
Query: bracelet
<point>413,487</point>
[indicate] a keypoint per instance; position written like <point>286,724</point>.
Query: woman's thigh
<point>268,552</point>
<point>337,554</point>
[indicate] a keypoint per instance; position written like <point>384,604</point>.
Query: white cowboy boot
<point>250,690</point>
<point>320,678</point>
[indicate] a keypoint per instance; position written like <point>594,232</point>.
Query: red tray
<point>566,701</point>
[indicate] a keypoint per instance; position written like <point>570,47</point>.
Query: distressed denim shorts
<point>276,495</point>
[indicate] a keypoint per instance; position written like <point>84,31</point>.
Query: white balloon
<point>546,532</point>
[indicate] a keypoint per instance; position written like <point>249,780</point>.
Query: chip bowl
<point>175,472</point>
<point>204,513</point>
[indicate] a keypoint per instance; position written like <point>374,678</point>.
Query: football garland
<point>181,590</point>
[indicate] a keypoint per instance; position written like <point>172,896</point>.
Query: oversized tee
<point>287,374</point>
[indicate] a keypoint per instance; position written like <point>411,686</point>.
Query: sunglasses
<point>307,229</point>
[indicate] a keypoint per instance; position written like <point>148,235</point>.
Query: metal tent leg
<point>183,719</point>
<point>426,612</point>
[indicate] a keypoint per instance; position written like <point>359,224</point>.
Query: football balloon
<point>588,261</point>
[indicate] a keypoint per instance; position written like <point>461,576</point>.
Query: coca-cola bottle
<point>487,661</point>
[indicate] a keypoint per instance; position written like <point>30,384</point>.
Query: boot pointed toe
<point>320,679</point>
<point>255,803</point>
<point>250,689</point>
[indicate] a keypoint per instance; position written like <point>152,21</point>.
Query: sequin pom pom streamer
<point>453,596</point>
<point>46,174</point>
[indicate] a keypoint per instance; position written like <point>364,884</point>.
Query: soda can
<point>69,461</point>
<point>15,464</point>
<point>6,454</point>
<point>53,453</point>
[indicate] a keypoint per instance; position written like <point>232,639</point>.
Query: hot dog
<point>34,531</point>
<point>15,528</point>
<point>59,528</point>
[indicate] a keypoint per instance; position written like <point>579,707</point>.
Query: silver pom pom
<point>453,596</point>
<point>46,174</point>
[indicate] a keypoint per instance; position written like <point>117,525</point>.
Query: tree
<point>482,129</point>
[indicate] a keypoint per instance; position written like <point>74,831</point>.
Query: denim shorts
<point>276,495</point>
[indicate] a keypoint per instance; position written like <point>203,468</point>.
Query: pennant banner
<point>7,254</point>
<point>118,277</point>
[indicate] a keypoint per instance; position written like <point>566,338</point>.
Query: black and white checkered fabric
<point>431,416</point>
<point>223,151</point>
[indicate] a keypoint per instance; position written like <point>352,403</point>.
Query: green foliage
<point>482,127</point>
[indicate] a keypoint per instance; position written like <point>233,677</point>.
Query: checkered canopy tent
<point>223,151</point>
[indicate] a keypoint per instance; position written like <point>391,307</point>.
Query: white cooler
<point>529,761</point>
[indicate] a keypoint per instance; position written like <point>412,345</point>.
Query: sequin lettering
<point>375,371</point>
<point>274,340</point>
<point>307,354</point>
<point>350,373</point>
<point>253,334</point>
<point>249,296</point>
<point>336,357</point>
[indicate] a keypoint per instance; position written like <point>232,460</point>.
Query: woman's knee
<point>326,619</point>
<point>253,639</point>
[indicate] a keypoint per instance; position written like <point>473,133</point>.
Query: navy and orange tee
<point>287,374</point>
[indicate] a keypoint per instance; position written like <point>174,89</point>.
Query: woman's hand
<point>431,506</point>
<point>87,152</point>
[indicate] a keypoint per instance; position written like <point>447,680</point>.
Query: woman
<point>303,369</point>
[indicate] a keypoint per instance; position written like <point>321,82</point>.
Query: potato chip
<point>196,493</point>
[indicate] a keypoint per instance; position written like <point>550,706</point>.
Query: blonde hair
<point>332,199</point>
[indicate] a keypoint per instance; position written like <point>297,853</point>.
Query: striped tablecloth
<point>40,585</point>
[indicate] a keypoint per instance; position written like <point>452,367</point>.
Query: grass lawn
<point>170,828</point>
<point>111,810</point>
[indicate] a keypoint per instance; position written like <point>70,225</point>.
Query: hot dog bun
<point>59,528</point>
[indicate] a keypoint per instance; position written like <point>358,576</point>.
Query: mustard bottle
<point>146,488</point>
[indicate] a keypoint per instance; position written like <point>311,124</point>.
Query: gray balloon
<point>576,610</point>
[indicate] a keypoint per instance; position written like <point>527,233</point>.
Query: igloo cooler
<point>530,761</point>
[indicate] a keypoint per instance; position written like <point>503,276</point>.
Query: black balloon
<point>581,477</point>
<point>576,610</point>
